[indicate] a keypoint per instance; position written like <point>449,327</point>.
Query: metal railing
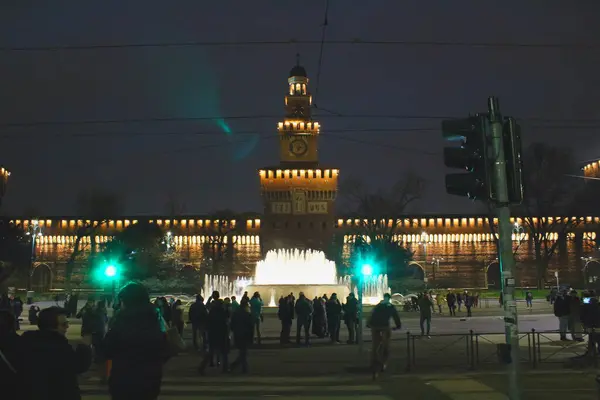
<point>476,350</point>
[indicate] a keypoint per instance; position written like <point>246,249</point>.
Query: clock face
<point>298,147</point>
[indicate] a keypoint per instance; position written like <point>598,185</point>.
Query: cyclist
<point>382,332</point>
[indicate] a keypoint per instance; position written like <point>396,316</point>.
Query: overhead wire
<point>253,132</point>
<point>353,41</point>
<point>331,114</point>
<point>322,47</point>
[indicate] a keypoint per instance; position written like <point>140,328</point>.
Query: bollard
<point>472,350</point>
<point>408,355</point>
<point>533,348</point>
<point>108,368</point>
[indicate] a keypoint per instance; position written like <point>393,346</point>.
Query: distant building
<point>299,193</point>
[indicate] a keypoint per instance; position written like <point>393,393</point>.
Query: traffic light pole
<point>359,331</point>
<point>505,253</point>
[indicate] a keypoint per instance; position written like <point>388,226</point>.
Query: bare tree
<point>97,207</point>
<point>378,212</point>
<point>174,207</point>
<point>376,208</point>
<point>549,203</point>
<point>221,236</point>
<point>14,250</point>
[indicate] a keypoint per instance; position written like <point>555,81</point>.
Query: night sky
<point>206,164</point>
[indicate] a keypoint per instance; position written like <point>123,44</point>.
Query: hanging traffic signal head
<point>511,134</point>
<point>471,156</point>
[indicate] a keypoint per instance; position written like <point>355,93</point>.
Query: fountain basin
<point>270,294</point>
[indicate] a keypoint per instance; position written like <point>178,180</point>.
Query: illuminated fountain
<point>293,271</point>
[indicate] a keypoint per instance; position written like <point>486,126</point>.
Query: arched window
<point>298,88</point>
<point>291,89</point>
<point>304,88</point>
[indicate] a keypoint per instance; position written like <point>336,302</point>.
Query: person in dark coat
<point>52,361</point>
<point>242,327</point>
<point>304,312</point>
<point>197,317</point>
<point>137,345</point>
<point>12,372</point>
<point>351,317</point>
<point>286,316</point>
<point>177,316</point>
<point>319,323</point>
<point>87,316</point>
<point>218,334</point>
<point>334,318</point>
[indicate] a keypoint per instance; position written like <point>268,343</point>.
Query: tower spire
<point>297,59</point>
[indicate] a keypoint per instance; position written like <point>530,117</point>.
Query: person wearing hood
<point>12,370</point>
<point>52,360</point>
<point>137,345</point>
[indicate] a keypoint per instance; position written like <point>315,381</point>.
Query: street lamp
<point>436,265</point>
<point>587,260</point>
<point>4,174</point>
<point>168,241</point>
<point>518,232</point>
<point>34,230</point>
<point>424,242</point>
<point>365,272</point>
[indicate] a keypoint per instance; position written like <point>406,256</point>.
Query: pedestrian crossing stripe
<point>245,397</point>
<point>250,379</point>
<point>254,388</point>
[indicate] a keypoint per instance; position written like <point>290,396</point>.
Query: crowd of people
<point>138,339</point>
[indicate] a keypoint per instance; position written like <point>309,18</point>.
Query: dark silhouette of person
<point>198,316</point>
<point>351,317</point>
<point>304,312</point>
<point>242,327</point>
<point>51,359</point>
<point>12,371</point>
<point>137,345</point>
<point>334,317</point>
<point>286,316</point>
<point>218,334</point>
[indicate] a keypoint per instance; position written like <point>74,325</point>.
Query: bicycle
<point>378,364</point>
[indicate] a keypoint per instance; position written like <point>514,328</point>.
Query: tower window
<point>304,88</point>
<point>291,89</point>
<point>298,88</point>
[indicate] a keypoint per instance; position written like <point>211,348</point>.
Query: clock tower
<point>298,194</point>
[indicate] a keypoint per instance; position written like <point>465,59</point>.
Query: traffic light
<point>471,156</point>
<point>366,269</point>
<point>511,134</point>
<point>110,271</point>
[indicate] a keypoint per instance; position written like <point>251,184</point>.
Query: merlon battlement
<point>298,173</point>
<point>298,126</point>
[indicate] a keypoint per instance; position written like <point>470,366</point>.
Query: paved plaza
<point>458,361</point>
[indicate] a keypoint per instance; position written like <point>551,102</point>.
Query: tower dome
<point>298,70</point>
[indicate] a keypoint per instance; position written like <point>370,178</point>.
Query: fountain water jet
<point>292,271</point>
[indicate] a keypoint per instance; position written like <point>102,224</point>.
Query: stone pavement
<point>331,372</point>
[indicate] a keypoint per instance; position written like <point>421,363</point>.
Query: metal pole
<point>31,260</point>
<point>359,331</point>
<point>505,253</point>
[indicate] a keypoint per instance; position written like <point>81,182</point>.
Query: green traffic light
<point>366,270</point>
<point>110,271</point>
